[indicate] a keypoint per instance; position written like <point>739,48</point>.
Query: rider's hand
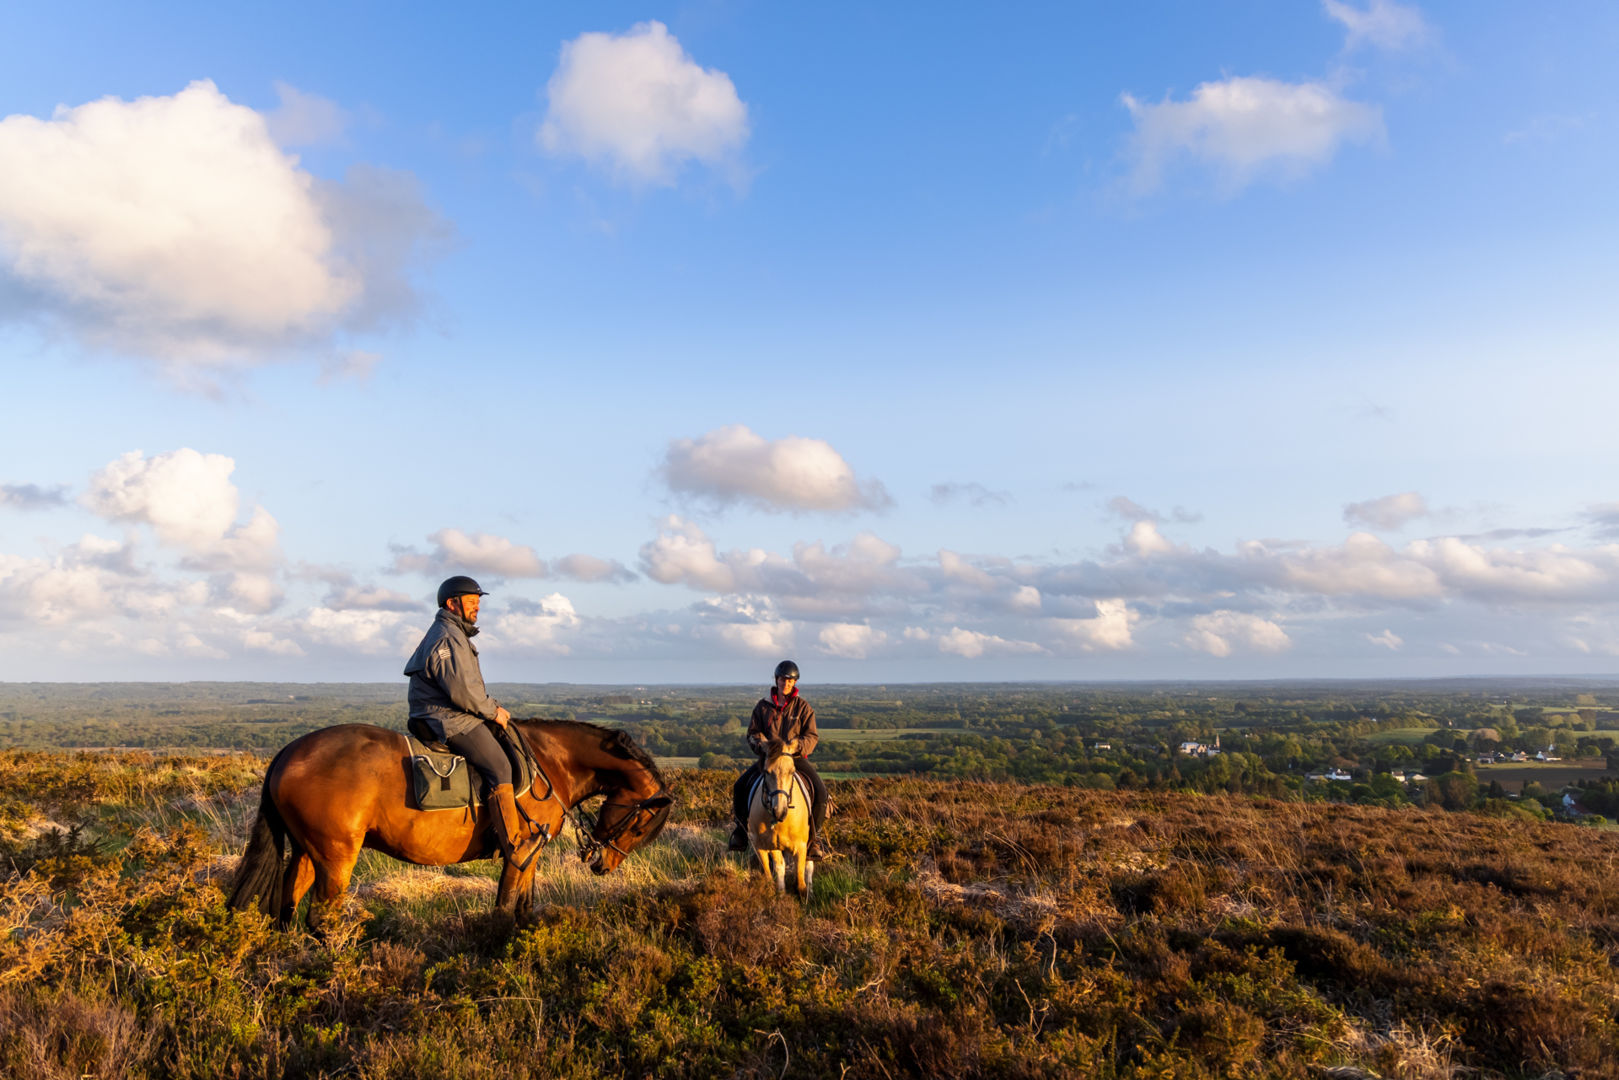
<point>501,715</point>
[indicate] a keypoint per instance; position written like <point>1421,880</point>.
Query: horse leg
<point>509,896</point>
<point>778,869</point>
<point>525,891</point>
<point>300,874</point>
<point>801,857</point>
<point>331,881</point>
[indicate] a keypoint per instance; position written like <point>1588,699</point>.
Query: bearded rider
<point>447,697</point>
<point>785,716</point>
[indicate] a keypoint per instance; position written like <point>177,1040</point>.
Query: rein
<point>584,822</point>
<point>519,743</point>
<point>584,829</point>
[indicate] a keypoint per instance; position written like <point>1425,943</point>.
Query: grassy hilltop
<point>973,929</point>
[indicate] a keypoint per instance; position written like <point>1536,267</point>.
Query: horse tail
<point>260,873</point>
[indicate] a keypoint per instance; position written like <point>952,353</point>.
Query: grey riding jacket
<point>446,683</point>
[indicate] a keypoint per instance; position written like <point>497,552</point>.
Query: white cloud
<point>188,500</point>
<point>757,638</point>
<point>817,580</point>
<point>1245,128</point>
<point>683,554</point>
<point>959,570</point>
<point>185,496</point>
<point>1388,639</point>
<point>174,228</point>
<point>852,641</point>
<point>1498,575</point>
<point>1362,566</point>
<point>733,464</point>
<point>868,564</point>
<point>92,579</point>
<point>1144,539</point>
<point>474,553</point>
<point>637,104</point>
<point>1216,633</point>
<point>304,119</point>
<point>250,545</point>
<point>1109,629</point>
<point>266,641</point>
<point>1382,23</point>
<point>1388,512</point>
<point>371,633</point>
<point>32,496</point>
<point>971,644</point>
<point>747,624</point>
<point>539,629</point>
<point>590,568</point>
<point>1025,598</point>
<point>251,592</point>
<point>351,597</point>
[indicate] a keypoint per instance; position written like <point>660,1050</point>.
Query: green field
<point>1411,736</point>
<point>864,735</point>
<point>1548,774</point>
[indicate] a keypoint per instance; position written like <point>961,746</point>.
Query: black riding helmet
<point>459,585</point>
<point>786,670</point>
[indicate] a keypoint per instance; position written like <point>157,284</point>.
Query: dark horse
<point>337,790</point>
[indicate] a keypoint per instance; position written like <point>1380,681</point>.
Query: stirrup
<point>524,854</point>
<point>739,839</point>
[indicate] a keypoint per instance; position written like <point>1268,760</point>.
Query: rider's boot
<point>817,851</point>
<point>516,842</point>
<point>739,837</point>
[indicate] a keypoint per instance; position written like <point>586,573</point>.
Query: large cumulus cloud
<point>174,228</point>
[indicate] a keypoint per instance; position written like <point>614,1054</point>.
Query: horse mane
<point>615,738</point>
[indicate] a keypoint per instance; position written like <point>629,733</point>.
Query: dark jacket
<point>446,683</point>
<point>785,719</point>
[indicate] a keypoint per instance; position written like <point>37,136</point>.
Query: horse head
<point>635,809</point>
<point>621,827</point>
<point>778,779</point>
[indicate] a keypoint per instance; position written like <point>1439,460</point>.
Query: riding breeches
<point>744,788</point>
<point>484,753</point>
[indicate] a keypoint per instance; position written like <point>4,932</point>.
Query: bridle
<point>584,822</point>
<point>769,796</point>
<point>584,827</point>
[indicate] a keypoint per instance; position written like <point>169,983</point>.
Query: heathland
<point>1033,881</point>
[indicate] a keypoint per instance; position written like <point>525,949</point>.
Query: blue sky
<point>1169,341</point>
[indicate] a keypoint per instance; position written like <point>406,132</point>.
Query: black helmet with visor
<point>460,585</point>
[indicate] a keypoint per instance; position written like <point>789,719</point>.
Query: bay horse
<point>337,790</point>
<point>779,819</point>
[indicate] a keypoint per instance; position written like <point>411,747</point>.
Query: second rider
<point>786,716</point>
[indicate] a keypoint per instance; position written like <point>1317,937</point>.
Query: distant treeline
<point>1269,737</point>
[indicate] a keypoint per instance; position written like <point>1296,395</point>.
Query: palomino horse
<point>337,790</point>
<point>779,818</point>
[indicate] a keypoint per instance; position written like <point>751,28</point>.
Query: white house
<point>1331,774</point>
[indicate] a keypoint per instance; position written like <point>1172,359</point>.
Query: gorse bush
<point>971,929</point>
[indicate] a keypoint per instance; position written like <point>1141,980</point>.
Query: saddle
<point>441,780</point>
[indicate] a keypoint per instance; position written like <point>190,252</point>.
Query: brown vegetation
<point>970,930</point>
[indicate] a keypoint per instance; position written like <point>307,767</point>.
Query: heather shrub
<point>972,929</point>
